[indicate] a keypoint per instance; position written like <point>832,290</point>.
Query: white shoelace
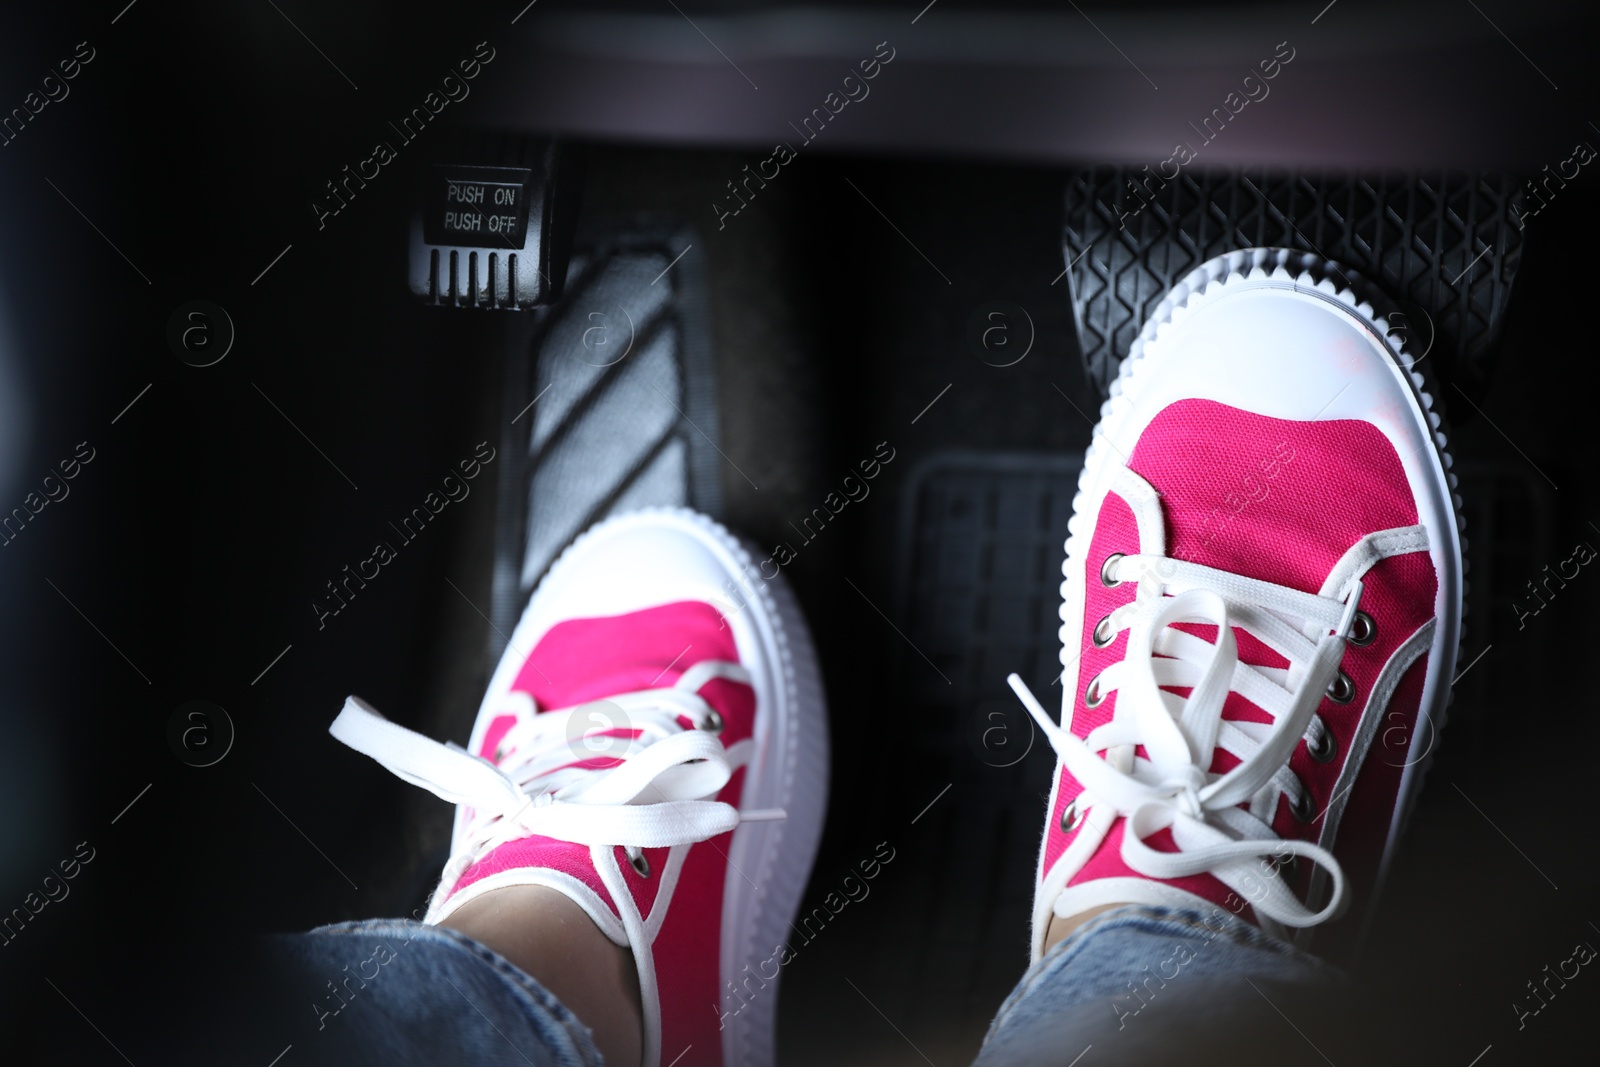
<point>653,796</point>
<point>1173,787</point>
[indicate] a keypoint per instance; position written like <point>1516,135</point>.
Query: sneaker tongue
<point>1107,862</point>
<point>1235,708</point>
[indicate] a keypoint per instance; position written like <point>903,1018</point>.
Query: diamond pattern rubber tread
<point>1445,247</point>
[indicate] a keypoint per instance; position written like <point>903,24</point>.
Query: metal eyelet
<point>1341,690</point>
<point>1289,869</point>
<point>1092,695</point>
<point>1363,631</point>
<point>1325,748</point>
<point>1071,817</point>
<point>713,723</point>
<point>640,865</point>
<point>1103,634</point>
<point>1105,568</point>
<point>1305,809</point>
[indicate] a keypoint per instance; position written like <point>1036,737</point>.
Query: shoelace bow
<point>636,784</point>
<point>1173,787</point>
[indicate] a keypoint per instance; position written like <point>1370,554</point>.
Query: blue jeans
<point>399,992</point>
<point>1131,984</point>
<point>1137,983</point>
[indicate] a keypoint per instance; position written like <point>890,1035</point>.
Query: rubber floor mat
<point>979,542</point>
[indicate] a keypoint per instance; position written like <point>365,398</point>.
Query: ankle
<point>1060,928</point>
<point>554,941</point>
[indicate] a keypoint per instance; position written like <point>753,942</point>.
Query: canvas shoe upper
<point>652,745</point>
<point>1261,609</point>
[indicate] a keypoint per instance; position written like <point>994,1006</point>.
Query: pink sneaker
<point>1268,467</point>
<point>656,753</point>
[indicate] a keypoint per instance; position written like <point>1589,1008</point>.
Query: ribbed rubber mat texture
<point>980,541</point>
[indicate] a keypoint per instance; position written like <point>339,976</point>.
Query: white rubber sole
<point>776,856</point>
<point>1311,280</point>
